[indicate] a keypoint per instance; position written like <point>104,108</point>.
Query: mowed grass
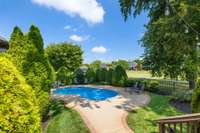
<point>65,120</point>
<point>141,74</point>
<point>142,120</point>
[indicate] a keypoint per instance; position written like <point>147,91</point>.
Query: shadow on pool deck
<point>110,114</point>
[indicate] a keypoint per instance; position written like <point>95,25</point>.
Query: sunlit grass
<point>65,120</point>
<point>143,120</point>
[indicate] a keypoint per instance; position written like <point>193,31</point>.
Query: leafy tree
<point>90,75</point>
<point>65,54</point>
<point>122,63</point>
<point>19,110</point>
<point>96,64</point>
<point>32,63</point>
<point>80,76</point>
<point>171,48</point>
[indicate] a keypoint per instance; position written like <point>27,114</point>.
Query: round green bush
<point>19,110</point>
<point>130,82</point>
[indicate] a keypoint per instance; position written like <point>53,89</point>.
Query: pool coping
<point>117,89</point>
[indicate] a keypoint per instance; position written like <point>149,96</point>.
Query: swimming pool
<point>87,92</point>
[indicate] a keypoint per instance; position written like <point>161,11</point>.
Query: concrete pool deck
<point>107,116</point>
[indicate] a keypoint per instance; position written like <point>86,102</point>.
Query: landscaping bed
<point>183,106</point>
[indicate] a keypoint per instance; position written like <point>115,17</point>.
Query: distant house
<point>104,65</point>
<point>84,68</point>
<point>132,65</point>
<point>3,44</point>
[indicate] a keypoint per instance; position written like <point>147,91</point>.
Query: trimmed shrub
<point>196,98</point>
<point>80,76</point>
<point>130,82</point>
<point>19,110</point>
<point>151,85</point>
<point>182,95</point>
<point>90,75</point>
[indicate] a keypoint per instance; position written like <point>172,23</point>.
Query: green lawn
<point>140,74</point>
<point>65,121</point>
<point>142,120</point>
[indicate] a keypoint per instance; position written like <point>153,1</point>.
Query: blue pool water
<point>87,92</point>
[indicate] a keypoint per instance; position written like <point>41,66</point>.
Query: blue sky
<point>96,25</point>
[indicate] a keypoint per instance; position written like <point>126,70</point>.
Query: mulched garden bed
<point>182,106</point>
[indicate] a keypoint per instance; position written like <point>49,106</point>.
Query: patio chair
<point>133,88</point>
<point>139,89</point>
<point>130,89</point>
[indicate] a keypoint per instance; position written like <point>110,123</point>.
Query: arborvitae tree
<point>40,59</point>
<point>35,36</point>
<point>103,74</point>
<point>18,49</point>
<point>19,111</point>
<point>90,75</point>
<point>28,55</point>
<point>109,76</point>
<point>80,76</point>
<point>119,76</point>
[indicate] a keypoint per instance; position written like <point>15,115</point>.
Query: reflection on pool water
<point>87,92</point>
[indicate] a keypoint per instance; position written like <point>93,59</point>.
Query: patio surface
<point>107,116</point>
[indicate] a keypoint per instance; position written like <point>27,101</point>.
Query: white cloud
<point>67,27</point>
<point>99,50</point>
<point>90,10</point>
<point>78,38</point>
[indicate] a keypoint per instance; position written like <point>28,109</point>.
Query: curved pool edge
<point>87,92</point>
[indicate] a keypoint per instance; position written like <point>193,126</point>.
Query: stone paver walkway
<point>107,116</point>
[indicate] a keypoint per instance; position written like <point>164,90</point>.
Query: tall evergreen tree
<point>32,63</point>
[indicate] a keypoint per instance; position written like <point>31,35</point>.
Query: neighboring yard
<point>142,120</point>
<point>139,74</point>
<point>65,120</point>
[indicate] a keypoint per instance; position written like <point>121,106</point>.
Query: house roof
<point>3,43</point>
